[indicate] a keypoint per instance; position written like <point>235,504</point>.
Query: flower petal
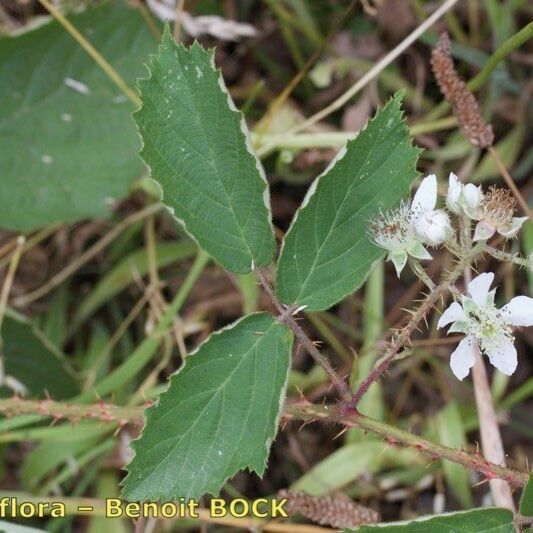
<point>399,259</point>
<point>504,357</point>
<point>454,313</point>
<point>513,228</point>
<point>425,198</point>
<point>463,357</point>
<point>454,193</point>
<point>519,311</point>
<point>479,287</point>
<point>472,197</point>
<point>484,230</point>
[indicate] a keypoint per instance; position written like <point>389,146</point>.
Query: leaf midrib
<point>326,238</point>
<point>223,385</point>
<point>216,170</point>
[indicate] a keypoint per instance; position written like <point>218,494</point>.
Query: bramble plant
<point>222,409</point>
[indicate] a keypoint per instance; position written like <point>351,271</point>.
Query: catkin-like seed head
<point>328,510</point>
<point>463,102</point>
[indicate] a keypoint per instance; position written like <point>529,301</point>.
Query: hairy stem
<point>104,412</point>
<point>351,418</point>
<point>120,415</point>
<point>506,257</point>
<point>287,317</point>
<point>404,335</point>
<point>420,273</point>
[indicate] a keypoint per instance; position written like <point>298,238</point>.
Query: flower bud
<point>463,198</point>
<point>434,227</point>
<point>453,197</point>
<point>472,197</point>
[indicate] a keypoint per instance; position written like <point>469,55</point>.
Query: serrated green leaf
<point>197,146</point>
<point>67,154</point>
<point>526,502</point>
<point>490,520</point>
<point>34,361</point>
<point>219,414</point>
<point>327,252</point>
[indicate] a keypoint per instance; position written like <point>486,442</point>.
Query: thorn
<point>306,423</point>
<point>341,432</point>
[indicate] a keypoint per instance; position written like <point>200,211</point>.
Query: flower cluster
<point>406,230</point>
<point>487,328</point>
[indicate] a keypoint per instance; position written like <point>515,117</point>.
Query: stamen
<point>490,328</point>
<point>498,206</point>
<point>392,229</point>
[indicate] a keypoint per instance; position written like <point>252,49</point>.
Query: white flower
<point>394,231</point>
<point>463,198</point>
<point>405,230</point>
<point>432,225</point>
<point>496,215</point>
<point>486,328</point>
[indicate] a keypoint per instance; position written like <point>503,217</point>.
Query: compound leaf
<point>327,252</point>
<point>197,146</point>
<point>219,414</point>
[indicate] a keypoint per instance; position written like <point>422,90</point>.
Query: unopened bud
<point>434,227</point>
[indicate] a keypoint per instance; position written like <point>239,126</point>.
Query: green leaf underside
<point>490,520</point>
<point>218,416</point>
<point>66,155</point>
<point>327,252</point>
<point>34,361</point>
<point>526,502</point>
<point>197,146</point>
